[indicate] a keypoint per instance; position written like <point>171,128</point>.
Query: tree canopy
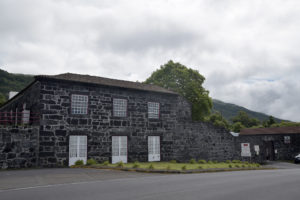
<point>245,120</point>
<point>188,83</point>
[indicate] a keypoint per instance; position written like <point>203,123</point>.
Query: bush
<point>228,161</point>
<point>237,166</point>
<point>200,167</point>
<point>192,161</point>
<point>79,162</point>
<point>91,162</point>
<point>105,163</point>
<point>215,162</point>
<point>243,166</point>
<point>202,161</point>
<point>257,165</point>
<point>120,164</point>
<point>183,167</point>
<point>230,166</point>
<point>236,161</point>
<point>173,161</point>
<point>210,162</point>
<point>136,165</point>
<point>246,163</point>
<point>151,166</point>
<point>168,167</point>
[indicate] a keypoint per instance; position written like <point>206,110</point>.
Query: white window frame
<point>153,148</point>
<point>119,149</point>
<point>79,104</point>
<point>153,110</point>
<point>119,107</point>
<point>77,149</point>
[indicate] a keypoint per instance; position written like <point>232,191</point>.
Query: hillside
<point>16,82</point>
<point>13,82</point>
<point>229,110</point>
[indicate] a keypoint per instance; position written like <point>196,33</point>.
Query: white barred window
<point>153,110</point>
<point>120,107</point>
<point>79,104</point>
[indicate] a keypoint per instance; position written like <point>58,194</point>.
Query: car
<point>297,158</point>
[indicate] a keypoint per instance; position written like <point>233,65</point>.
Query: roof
<point>270,131</point>
<point>106,81</point>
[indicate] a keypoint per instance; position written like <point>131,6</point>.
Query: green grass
<point>176,166</point>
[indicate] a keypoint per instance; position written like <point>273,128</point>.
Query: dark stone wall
<point>18,147</point>
<point>284,151</point>
<point>200,140</point>
<point>57,123</point>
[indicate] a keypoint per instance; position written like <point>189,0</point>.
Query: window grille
<point>153,110</point>
<point>79,104</point>
<point>120,107</point>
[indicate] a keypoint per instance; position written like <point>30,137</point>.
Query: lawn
<point>182,166</point>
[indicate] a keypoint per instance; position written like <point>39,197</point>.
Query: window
<point>287,139</point>
<point>120,107</point>
<point>79,104</point>
<point>153,110</point>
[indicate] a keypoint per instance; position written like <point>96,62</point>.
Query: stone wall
<point>200,140</point>
<point>57,123</point>
<point>18,147</point>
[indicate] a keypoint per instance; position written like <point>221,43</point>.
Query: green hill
<point>12,82</point>
<point>229,110</point>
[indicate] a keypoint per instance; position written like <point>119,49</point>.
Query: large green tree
<point>2,99</point>
<point>245,120</point>
<point>188,83</point>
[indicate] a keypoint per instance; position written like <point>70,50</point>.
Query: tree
<point>245,120</point>
<point>269,122</point>
<point>218,120</point>
<point>2,99</point>
<point>188,83</point>
<point>237,127</point>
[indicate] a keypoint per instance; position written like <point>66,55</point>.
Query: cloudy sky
<point>247,50</point>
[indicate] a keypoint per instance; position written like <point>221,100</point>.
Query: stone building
<point>261,144</point>
<point>59,119</point>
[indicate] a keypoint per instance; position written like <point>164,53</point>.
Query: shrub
<point>183,167</point>
<point>192,161</point>
<point>120,164</point>
<point>215,162</point>
<point>257,165</point>
<point>91,162</point>
<point>230,166</point>
<point>246,163</point>
<point>200,167</point>
<point>236,161</point>
<point>243,166</point>
<point>105,163</point>
<point>136,165</point>
<point>202,161</point>
<point>210,162</point>
<point>168,167</point>
<point>151,166</point>
<point>79,162</point>
<point>173,161</point>
<point>237,166</point>
<point>228,161</point>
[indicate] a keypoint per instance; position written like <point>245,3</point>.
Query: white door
<point>119,149</point>
<point>77,149</point>
<point>153,148</point>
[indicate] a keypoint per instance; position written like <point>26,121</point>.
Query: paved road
<point>264,184</point>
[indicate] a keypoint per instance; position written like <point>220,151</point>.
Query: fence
<point>19,118</point>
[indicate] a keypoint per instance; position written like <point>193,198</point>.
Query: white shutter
<point>153,148</point>
<point>119,149</point>
<point>77,149</point>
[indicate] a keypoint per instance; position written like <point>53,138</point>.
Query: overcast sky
<point>247,50</point>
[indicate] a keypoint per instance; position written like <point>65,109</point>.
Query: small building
<point>60,119</point>
<point>276,143</point>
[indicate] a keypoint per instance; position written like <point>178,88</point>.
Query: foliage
<point>168,167</point>
<point>12,82</point>
<point>202,161</point>
<point>91,162</point>
<point>237,127</point>
<point>285,124</point>
<point>245,120</point>
<point>136,165</point>
<point>188,83</point>
<point>120,164</point>
<point>79,162</point>
<point>2,99</point>
<point>173,161</point>
<point>230,166</point>
<point>183,167</point>
<point>218,120</point>
<point>193,161</point>
<point>269,122</point>
<point>105,163</point>
<point>151,166</point>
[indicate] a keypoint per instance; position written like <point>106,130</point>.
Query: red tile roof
<point>270,131</point>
